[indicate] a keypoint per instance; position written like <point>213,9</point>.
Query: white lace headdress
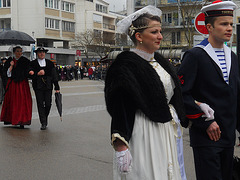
<point>124,24</point>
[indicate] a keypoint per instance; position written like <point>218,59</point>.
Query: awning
<point>112,55</point>
<point>90,59</point>
<point>171,53</point>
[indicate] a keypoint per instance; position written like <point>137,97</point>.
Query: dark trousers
<point>76,76</point>
<point>213,163</point>
<point>44,102</point>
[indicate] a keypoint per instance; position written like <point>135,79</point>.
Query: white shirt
<point>222,61</point>
<point>42,62</point>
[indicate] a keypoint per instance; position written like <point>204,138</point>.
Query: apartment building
<point>55,23</point>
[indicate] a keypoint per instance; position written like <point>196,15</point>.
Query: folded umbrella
<point>58,101</point>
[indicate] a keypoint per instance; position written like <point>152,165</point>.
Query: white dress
<point>153,146</point>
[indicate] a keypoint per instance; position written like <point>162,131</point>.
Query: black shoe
<point>21,126</point>
<point>44,127</point>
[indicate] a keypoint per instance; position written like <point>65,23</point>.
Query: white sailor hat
<point>219,8</point>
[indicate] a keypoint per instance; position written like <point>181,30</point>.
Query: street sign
<point>197,39</point>
<point>78,52</point>
<point>52,56</point>
<point>199,23</point>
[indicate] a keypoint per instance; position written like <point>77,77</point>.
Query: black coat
<point>132,84</point>
<point>20,71</point>
<point>46,81</point>
<point>202,80</point>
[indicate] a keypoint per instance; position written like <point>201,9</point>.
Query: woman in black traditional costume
<point>144,99</point>
<point>17,105</point>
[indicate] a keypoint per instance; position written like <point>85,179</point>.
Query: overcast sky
<point>116,5</point>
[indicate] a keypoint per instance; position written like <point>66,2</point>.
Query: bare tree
<point>94,42</point>
<point>188,10</point>
<point>84,40</point>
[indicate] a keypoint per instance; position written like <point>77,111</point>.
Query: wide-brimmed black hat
<point>3,58</point>
<point>41,49</point>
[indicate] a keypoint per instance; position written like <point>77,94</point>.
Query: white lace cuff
<point>115,136</point>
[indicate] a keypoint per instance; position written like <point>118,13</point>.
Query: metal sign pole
<point>238,43</point>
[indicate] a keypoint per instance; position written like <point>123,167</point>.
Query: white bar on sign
<point>201,23</point>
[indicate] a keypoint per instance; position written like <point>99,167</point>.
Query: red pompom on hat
<point>217,1</point>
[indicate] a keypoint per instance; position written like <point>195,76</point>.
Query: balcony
<point>110,42</point>
<point>176,24</point>
<point>108,26</point>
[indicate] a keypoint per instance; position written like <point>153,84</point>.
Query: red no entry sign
<point>199,24</point>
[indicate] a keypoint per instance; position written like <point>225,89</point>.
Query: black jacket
<point>46,81</point>
<point>132,84</point>
<point>20,71</point>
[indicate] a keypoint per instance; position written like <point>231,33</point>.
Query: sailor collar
<point>207,47</point>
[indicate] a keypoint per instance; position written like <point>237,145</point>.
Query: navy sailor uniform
<point>202,80</point>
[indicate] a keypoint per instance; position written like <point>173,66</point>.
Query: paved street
<point>78,148</point>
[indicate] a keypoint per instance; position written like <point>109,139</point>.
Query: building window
<point>68,26</point>
<point>170,17</point>
<point>167,18</point>
<point>97,18</point>
<point>97,33</point>
<point>5,24</point>
<point>144,2</point>
<point>5,3</point>
<point>52,4</point>
<point>56,4</point>
<point>69,7</point>
<point>101,8</point>
<point>176,37</point>
<point>52,23</point>
<point>90,0</point>
<point>57,24</point>
<point>173,38</point>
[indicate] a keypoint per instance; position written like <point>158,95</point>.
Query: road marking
<point>75,94</point>
<point>84,93</point>
<point>80,86</point>
<point>77,110</point>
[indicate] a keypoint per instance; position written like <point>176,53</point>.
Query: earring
<point>140,42</point>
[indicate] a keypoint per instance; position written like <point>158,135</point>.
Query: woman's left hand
<point>12,63</point>
<point>31,72</point>
<point>124,161</point>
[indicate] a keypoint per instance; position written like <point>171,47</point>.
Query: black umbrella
<point>58,101</point>
<point>15,37</point>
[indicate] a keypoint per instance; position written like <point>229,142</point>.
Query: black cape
<point>132,84</point>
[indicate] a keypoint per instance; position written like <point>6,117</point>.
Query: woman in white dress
<point>143,97</point>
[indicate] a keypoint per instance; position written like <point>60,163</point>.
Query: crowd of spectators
<point>69,72</point>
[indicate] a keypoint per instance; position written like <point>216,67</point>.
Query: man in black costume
<point>44,75</point>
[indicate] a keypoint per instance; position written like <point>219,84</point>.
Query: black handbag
<point>236,168</point>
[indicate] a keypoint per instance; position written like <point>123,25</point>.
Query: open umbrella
<point>11,37</point>
<point>58,101</point>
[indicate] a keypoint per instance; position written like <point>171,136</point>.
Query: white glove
<point>208,112</point>
<point>124,161</point>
